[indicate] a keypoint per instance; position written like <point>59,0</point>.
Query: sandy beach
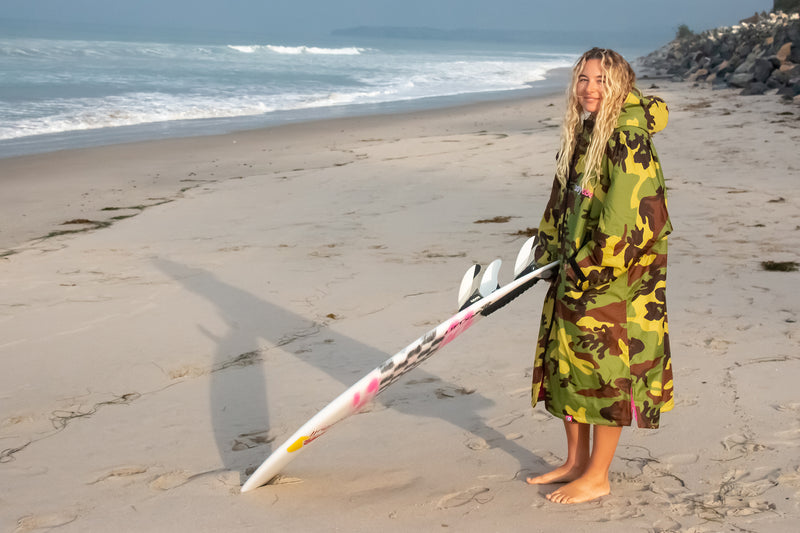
<point>172,310</point>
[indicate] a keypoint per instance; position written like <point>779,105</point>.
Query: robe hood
<point>649,113</point>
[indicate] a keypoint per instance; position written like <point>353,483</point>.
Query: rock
<point>777,79</point>
<point>762,69</point>
<point>724,68</point>
<point>747,65</point>
<point>784,52</point>
<point>699,74</point>
<point>794,55</point>
<point>791,89</point>
<point>719,84</point>
<point>793,31</point>
<point>755,87</point>
<point>761,53</point>
<point>789,92</point>
<point>740,79</point>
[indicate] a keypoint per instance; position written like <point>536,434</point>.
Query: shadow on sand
<point>240,413</point>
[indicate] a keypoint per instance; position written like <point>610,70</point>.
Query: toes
<point>560,497</point>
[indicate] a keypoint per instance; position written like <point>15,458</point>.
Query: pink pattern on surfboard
<point>457,327</point>
<point>372,389</point>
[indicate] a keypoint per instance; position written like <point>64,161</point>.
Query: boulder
<point>789,91</point>
<point>726,49</point>
<point>794,54</point>
<point>748,64</point>
<point>759,54</point>
<point>784,52</point>
<point>699,74</point>
<point>740,79</point>
<point>762,69</point>
<point>755,87</point>
<point>724,68</point>
<point>777,79</point>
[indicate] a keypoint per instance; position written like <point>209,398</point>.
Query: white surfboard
<point>475,302</point>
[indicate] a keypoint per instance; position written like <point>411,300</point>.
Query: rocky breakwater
<point>758,55</point>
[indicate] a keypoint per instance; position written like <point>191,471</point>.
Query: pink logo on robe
<point>360,401</point>
<point>583,192</point>
<point>457,328</point>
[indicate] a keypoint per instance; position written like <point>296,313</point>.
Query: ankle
<point>579,463</point>
<point>597,476</point>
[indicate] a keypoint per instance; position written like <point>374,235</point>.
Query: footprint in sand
<point>794,407</point>
<point>505,420</point>
<point>615,510</point>
<point>742,444</point>
<point>790,478</point>
<point>245,441</point>
<point>789,438</point>
<point>120,472</point>
<point>457,499</point>
<point>452,392</point>
<point>666,525</point>
<point>735,495</point>
<point>45,521</point>
<point>739,484</point>
<point>540,415</point>
<point>170,480</point>
<point>478,444</point>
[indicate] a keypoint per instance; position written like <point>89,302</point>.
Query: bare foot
<point>579,491</point>
<point>563,474</point>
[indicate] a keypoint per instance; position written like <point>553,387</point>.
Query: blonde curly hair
<point>618,81</point>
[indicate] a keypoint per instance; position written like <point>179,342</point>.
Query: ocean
<point>74,91</point>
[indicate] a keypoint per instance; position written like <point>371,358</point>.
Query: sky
<point>319,17</point>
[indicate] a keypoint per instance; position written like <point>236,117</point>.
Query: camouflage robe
<point>603,351</point>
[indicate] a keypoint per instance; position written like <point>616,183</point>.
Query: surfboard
<point>479,296</point>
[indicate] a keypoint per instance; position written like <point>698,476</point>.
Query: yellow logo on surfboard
<point>302,441</point>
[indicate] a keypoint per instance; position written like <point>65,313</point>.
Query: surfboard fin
<point>468,291</point>
<point>489,282</point>
<point>525,262</point>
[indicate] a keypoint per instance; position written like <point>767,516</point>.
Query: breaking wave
<point>298,50</point>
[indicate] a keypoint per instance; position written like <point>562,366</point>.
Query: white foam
<point>130,110</point>
<point>314,50</point>
<point>243,49</point>
<point>298,50</point>
<point>127,84</point>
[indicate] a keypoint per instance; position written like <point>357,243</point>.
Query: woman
<point>602,358</point>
